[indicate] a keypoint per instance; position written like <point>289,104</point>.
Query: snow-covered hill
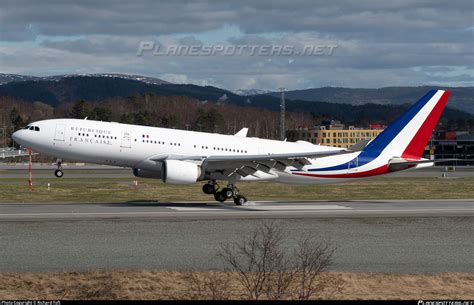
<point>7,78</point>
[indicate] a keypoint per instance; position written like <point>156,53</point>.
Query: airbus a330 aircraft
<point>186,157</point>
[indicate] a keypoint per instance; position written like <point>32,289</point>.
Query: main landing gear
<point>231,191</point>
<point>59,172</point>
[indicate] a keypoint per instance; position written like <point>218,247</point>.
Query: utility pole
<point>282,115</point>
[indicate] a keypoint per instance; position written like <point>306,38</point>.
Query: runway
<point>258,209</point>
<point>370,236</point>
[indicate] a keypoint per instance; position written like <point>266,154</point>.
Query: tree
<point>312,259</point>
<point>79,110</point>
<point>168,121</point>
<point>127,118</point>
<point>16,119</point>
<point>266,269</point>
<point>255,258</point>
<point>101,114</point>
<point>143,118</point>
<point>208,121</point>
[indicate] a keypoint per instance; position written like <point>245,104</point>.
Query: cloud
<point>403,20</point>
<point>379,43</point>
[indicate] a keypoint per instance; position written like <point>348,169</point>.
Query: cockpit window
<point>31,128</point>
<point>37,128</point>
<point>26,127</point>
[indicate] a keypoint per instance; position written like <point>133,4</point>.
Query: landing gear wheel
<point>239,200</point>
<point>208,188</point>
<point>228,192</point>
<point>220,196</point>
<point>58,173</point>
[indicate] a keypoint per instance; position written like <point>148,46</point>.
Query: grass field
<point>171,285</point>
<point>122,189</point>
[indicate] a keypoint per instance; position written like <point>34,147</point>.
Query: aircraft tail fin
<point>408,135</point>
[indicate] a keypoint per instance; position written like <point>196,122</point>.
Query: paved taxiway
<point>370,236</point>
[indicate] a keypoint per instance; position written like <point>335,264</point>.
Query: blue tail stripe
<point>375,148</point>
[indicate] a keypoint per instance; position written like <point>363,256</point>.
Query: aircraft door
<point>126,139</point>
<point>60,132</point>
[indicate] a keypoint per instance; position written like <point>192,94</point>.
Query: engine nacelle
<point>143,173</point>
<point>180,172</point>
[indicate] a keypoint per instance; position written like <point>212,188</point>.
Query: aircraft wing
<point>248,164</point>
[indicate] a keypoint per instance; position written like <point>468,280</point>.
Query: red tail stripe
<point>415,148</point>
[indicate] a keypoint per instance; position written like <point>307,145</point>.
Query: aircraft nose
<point>16,136</point>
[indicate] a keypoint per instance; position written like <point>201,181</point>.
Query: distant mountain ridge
<point>462,98</point>
<point>7,78</point>
<point>347,105</point>
<point>62,89</point>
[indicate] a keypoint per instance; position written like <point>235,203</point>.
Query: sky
<point>367,43</point>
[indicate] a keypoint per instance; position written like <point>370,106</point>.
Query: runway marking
<point>192,209</point>
<point>296,207</point>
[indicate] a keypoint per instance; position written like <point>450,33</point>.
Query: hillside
<point>381,105</point>
<point>95,88</point>
<point>462,98</point>
<point>7,78</point>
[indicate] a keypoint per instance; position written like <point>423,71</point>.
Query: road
<point>370,236</point>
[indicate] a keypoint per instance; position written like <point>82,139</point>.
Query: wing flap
<point>269,157</point>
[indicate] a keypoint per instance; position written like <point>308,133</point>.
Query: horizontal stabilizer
<point>401,163</point>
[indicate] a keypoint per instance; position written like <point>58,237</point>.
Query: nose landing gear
<point>59,172</point>
<point>231,191</point>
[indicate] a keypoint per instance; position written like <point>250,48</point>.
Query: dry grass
<point>173,285</point>
<point>120,190</point>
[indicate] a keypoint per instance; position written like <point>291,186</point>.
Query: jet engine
<point>180,172</point>
<point>143,173</point>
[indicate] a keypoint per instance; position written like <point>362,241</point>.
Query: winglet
<point>242,133</point>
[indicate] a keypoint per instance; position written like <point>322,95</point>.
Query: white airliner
<point>186,157</point>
